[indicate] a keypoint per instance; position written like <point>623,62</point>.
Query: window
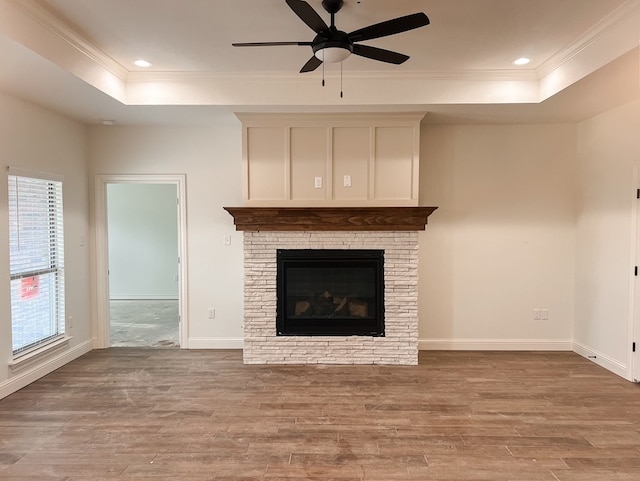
<point>36,254</point>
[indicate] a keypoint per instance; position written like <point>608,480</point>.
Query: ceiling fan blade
<point>312,64</point>
<point>390,27</point>
<point>269,44</point>
<point>380,54</point>
<point>308,15</point>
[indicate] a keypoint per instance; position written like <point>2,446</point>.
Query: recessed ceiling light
<point>521,61</point>
<point>142,63</point>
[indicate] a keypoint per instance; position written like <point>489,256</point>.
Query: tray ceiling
<point>60,50</point>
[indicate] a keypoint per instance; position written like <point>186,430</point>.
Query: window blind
<point>36,252</point>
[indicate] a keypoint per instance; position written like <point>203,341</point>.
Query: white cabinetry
<point>333,160</point>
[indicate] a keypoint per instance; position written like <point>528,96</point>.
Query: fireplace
<point>268,231</point>
<point>330,292</point>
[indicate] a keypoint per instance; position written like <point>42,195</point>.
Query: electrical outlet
<point>70,322</point>
<point>544,314</point>
<point>536,314</point>
<point>347,181</point>
<point>318,182</point>
<point>212,313</point>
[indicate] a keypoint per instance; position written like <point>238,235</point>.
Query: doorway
<point>142,227</point>
<point>140,261</point>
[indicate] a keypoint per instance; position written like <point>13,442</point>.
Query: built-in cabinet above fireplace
<point>322,160</point>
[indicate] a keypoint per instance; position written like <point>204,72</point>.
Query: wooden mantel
<point>330,218</point>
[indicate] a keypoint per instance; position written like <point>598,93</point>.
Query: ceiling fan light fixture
<point>333,45</point>
<point>332,54</point>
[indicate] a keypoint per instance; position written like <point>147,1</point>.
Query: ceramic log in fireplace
<point>330,292</point>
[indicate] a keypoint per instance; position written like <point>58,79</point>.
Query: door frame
<point>101,324</point>
<point>634,301</point>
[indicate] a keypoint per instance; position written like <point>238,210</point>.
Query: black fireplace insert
<point>330,292</point>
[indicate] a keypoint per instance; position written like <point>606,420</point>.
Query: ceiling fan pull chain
<point>341,95</point>
<point>323,68</point>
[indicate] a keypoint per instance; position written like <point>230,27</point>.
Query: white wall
<point>501,243</point>
<point>608,155</point>
<point>143,241</point>
<point>36,139</point>
<point>211,159</point>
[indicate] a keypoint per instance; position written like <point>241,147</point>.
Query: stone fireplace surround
<point>393,230</point>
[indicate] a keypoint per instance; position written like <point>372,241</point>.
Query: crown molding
<point>40,13</point>
<point>615,20</point>
<point>453,75</point>
<point>306,118</point>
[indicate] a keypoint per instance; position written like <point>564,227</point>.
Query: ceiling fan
<point>333,45</point>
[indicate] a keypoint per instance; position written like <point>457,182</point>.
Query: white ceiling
<point>76,56</point>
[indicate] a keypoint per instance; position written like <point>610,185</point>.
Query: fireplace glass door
<point>330,292</point>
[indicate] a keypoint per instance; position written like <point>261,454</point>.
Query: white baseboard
<point>214,343</point>
<point>48,365</point>
<point>494,345</point>
<point>602,360</point>
<point>143,298</point>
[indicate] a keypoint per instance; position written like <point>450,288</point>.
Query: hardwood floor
<point>169,414</point>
